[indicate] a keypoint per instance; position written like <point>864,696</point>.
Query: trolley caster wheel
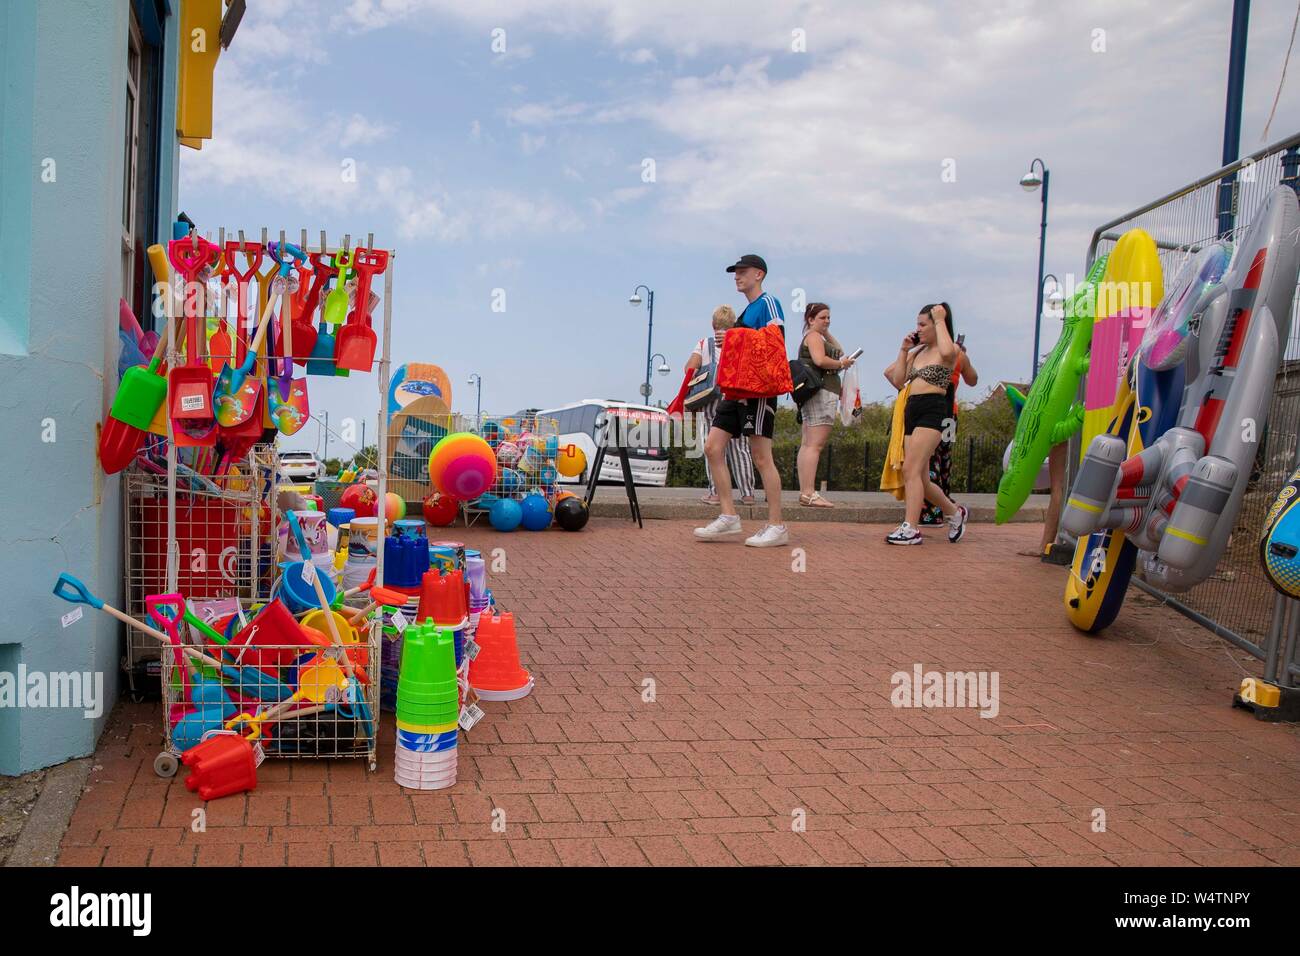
<point>166,765</point>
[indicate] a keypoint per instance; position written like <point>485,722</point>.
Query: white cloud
<point>545,114</point>
<point>640,55</point>
<point>360,131</point>
<point>530,144</point>
<point>311,177</point>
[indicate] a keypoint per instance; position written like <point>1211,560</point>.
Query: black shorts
<point>750,416</point>
<point>932,410</point>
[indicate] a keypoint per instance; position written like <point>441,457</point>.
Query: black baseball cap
<point>749,260</point>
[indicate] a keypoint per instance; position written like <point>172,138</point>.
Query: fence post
<point>970,463</point>
<point>830,466</point>
<point>866,465</point>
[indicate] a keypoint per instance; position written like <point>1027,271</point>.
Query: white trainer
<point>904,534</point>
<point>957,524</point>
<point>723,526</point>
<point>769,536</point>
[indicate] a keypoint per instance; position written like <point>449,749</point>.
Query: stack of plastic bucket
<point>363,549</point>
<point>391,651</point>
<point>476,572</point>
<point>443,601</point>
<point>496,674</point>
<point>406,558</point>
<point>427,710</point>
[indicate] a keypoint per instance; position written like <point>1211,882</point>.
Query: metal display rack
<point>327,729</point>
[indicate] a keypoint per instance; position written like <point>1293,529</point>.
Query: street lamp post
<point>636,300</point>
<point>477,379</point>
<point>1053,301</point>
<point>662,368</point>
<point>1031,181</point>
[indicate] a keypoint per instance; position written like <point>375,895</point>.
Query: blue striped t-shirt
<point>763,310</point>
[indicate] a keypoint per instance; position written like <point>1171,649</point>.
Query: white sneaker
<point>957,524</point>
<point>769,536</point>
<point>904,534</point>
<point>723,526</point>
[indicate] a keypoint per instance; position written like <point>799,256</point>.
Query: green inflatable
<point>1050,412</point>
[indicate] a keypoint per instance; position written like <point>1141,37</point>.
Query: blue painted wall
<point>64,65</point>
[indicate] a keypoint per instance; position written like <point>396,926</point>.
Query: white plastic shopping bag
<point>850,397</point>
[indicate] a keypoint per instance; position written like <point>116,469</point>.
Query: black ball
<point>571,514</point>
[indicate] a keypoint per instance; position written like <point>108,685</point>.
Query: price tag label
<point>72,617</point>
<point>308,573</point>
<point>399,621</point>
<point>193,403</point>
<point>470,716</point>
<point>471,649</point>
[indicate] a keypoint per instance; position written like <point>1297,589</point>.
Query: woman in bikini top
<point>936,375</point>
<point>924,366</point>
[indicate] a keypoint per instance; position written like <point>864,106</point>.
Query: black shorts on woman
<point>927,410</point>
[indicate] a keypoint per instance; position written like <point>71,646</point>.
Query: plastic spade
<point>252,253</point>
<point>138,399</point>
<point>219,346</point>
<point>237,391</point>
<point>287,397</point>
<point>321,357</point>
<point>190,385</point>
<point>73,591</point>
<point>356,340</point>
<point>336,303</point>
<point>319,681</point>
<point>303,331</point>
<point>356,694</point>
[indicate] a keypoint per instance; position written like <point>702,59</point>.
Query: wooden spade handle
<point>154,632</point>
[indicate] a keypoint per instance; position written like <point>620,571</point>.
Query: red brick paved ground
<point>773,696</point>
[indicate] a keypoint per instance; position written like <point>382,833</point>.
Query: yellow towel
<point>891,478</point>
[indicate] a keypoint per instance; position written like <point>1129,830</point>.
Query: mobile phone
<point>916,338</point>
<point>961,340</point>
<point>855,355</point>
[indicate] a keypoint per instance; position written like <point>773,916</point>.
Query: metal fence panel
<point>1237,597</point>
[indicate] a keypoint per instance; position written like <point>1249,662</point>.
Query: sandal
<point>711,500</point>
<point>747,500</point>
<point>815,500</point>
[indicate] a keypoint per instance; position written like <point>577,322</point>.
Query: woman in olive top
<point>818,350</point>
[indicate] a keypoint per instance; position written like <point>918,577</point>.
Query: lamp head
<point>1031,181</point>
<point>635,299</point>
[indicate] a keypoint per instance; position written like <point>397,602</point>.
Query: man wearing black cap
<point>754,417</point>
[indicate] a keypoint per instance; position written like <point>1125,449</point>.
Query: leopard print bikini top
<point>937,375</point>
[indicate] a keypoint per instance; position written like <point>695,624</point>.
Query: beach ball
<point>361,499</point>
<point>462,466</point>
<point>394,507</point>
<point>571,513</point>
<point>536,512</point>
<point>571,461</point>
<point>507,454</point>
<point>505,514</point>
<point>548,475</point>
<point>440,510</point>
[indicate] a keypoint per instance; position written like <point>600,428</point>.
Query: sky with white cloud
<point>504,144</point>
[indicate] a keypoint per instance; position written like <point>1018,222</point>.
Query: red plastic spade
<point>355,348</point>
<point>190,386</point>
